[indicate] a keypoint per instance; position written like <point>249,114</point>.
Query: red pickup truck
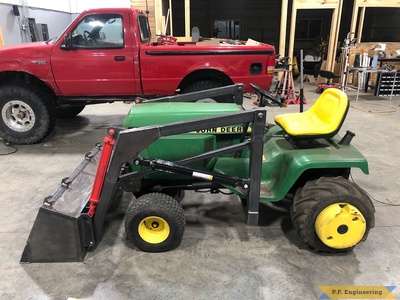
<point>106,55</point>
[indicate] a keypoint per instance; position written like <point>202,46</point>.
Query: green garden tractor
<point>169,145</point>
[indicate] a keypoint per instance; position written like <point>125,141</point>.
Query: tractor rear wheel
<point>332,214</point>
<point>155,222</point>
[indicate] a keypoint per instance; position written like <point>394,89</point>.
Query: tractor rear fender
<point>285,168</point>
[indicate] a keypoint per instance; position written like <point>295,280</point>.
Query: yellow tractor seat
<point>323,119</point>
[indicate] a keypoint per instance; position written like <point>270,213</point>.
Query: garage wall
<point>9,26</point>
<point>77,6</point>
<point>259,19</point>
<point>69,6</point>
<point>56,22</point>
<point>381,25</point>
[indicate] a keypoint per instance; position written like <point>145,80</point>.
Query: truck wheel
<point>155,222</point>
<point>69,112</point>
<point>332,214</point>
<point>206,85</point>
<point>25,117</point>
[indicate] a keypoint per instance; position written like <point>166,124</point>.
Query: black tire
<point>155,222</point>
<point>351,214</point>
<point>25,117</point>
<point>69,112</point>
<point>206,85</point>
<point>178,195</point>
<point>319,90</point>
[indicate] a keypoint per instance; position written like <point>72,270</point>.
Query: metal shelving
<point>388,84</point>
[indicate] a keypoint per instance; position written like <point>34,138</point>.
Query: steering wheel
<point>263,93</point>
<point>86,35</point>
<point>89,39</point>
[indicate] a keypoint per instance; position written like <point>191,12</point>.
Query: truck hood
<point>19,56</point>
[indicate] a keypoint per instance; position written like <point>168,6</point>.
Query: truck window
<point>144,28</point>
<point>99,31</point>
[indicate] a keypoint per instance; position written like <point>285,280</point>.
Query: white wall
<point>77,6</point>
<point>9,26</point>
<point>70,6</point>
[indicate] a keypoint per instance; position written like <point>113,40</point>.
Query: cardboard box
<point>209,42</point>
<point>371,53</point>
<point>251,42</point>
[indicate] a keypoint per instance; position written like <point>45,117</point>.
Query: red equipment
<point>329,76</point>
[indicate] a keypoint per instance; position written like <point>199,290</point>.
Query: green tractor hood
<point>148,114</point>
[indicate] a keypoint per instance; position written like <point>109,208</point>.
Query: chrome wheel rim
<point>18,116</point>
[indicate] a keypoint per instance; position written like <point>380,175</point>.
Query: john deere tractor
<point>169,145</point>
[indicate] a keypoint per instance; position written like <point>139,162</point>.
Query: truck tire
<point>25,117</point>
<point>69,112</point>
<point>205,85</point>
<point>332,214</point>
<point>155,222</point>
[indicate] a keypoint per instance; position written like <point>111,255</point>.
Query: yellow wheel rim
<point>153,230</point>
<point>340,226</point>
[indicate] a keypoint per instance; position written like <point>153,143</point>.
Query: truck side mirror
<point>67,45</point>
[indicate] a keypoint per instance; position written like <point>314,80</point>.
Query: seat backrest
<point>323,119</point>
<point>311,67</point>
<point>331,108</point>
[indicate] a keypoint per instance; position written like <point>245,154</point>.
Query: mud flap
<point>63,231</point>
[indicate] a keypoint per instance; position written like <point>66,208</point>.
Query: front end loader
<point>165,148</point>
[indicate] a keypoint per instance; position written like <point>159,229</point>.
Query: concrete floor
<point>220,256</point>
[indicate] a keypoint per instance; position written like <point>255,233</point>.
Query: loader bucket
<point>62,231</point>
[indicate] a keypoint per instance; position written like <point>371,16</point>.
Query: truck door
<point>96,58</point>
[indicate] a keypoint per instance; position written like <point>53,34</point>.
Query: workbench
<point>366,71</point>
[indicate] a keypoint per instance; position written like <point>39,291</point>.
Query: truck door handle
<point>119,58</point>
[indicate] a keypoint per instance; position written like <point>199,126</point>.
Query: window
<point>227,29</point>
<point>99,31</point>
<point>145,34</point>
<point>308,29</point>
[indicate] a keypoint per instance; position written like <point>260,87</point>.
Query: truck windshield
<point>144,28</point>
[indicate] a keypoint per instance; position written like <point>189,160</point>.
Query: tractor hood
<point>162,113</point>
<point>24,56</point>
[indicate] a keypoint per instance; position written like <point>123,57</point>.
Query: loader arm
<point>131,142</point>
<point>64,233</point>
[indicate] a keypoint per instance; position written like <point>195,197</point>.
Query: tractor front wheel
<point>155,222</point>
<point>332,214</point>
